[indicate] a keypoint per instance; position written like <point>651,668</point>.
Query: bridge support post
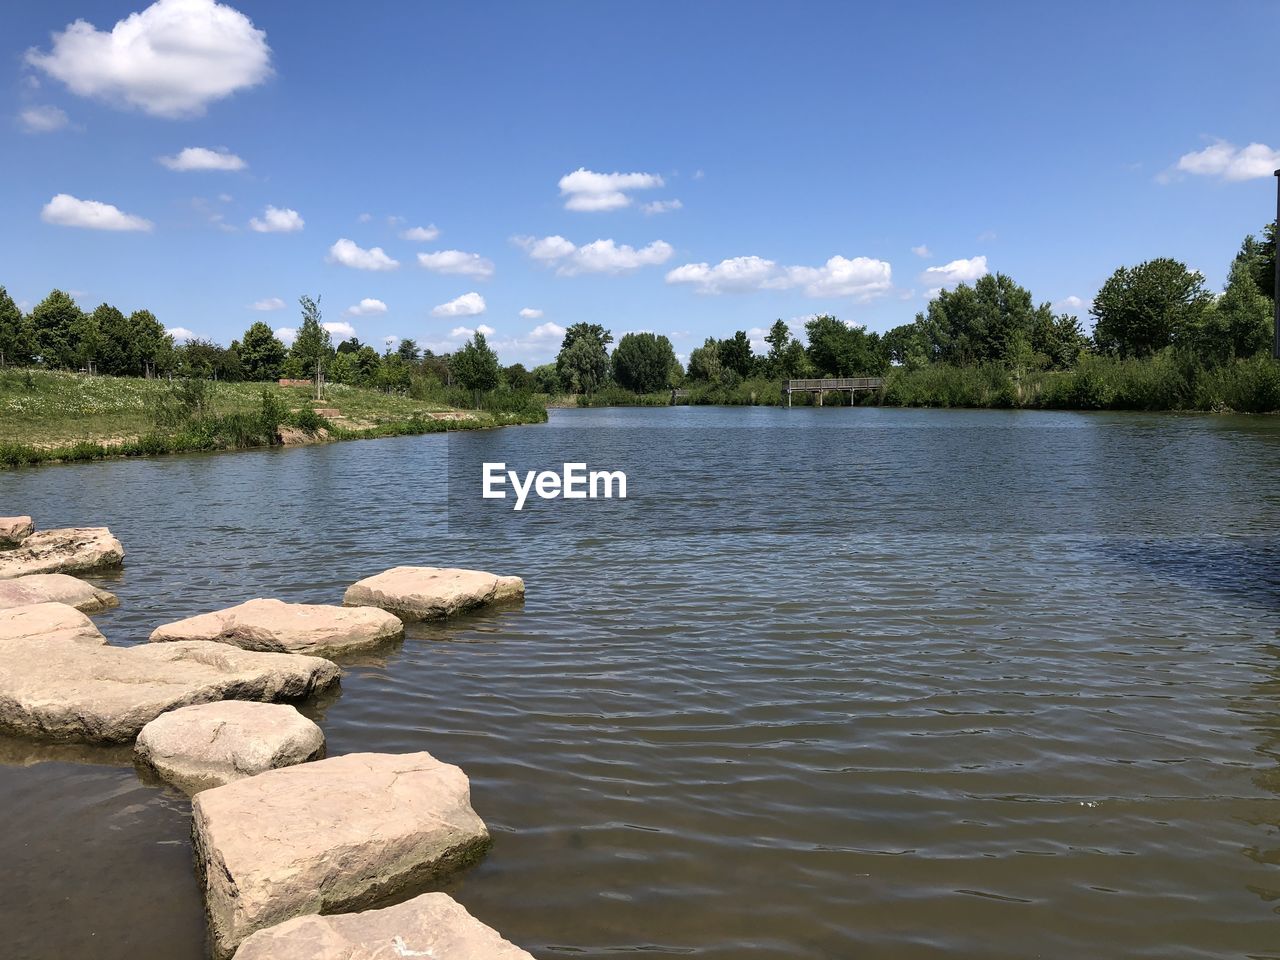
<point>819,398</point>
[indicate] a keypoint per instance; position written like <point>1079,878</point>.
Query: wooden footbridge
<point>822,385</point>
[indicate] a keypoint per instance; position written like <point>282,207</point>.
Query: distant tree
<point>475,366</point>
<point>1239,323</point>
<point>705,364</point>
<point>1143,309</point>
<point>115,347</point>
<point>736,355</point>
<point>86,341</point>
<point>907,345</point>
<point>17,340</point>
<point>53,321</point>
<point>201,359</point>
<point>642,362</point>
<point>152,349</point>
<point>312,346</point>
<point>583,361</point>
<point>517,377</point>
<point>368,363</point>
<point>261,353</point>
<point>779,339</point>
<point>838,350</point>
<point>991,321</point>
<point>1257,257</point>
<point>408,351</point>
<point>546,379</point>
<point>350,345</point>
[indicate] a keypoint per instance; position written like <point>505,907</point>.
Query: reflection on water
<point>832,683</point>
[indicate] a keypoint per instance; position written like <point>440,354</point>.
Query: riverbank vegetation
<point>1160,341</point>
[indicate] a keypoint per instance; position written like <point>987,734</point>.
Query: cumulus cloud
<point>286,335</point>
<point>202,158</point>
<point>421,234</point>
<point>467,305</point>
<point>661,206</point>
<point>44,119</point>
<point>65,210</point>
<point>957,271</point>
<point>348,254</point>
<point>269,304</point>
<point>586,190</point>
<point>340,329</point>
<point>171,60</point>
<point>180,333</point>
<point>458,263</point>
<point>922,251</point>
<point>861,277</point>
<point>599,256</point>
<point>1229,162</point>
<point>457,333</point>
<point>277,220</point>
<point>367,307</point>
<point>1073,304</point>
<point>530,313</point>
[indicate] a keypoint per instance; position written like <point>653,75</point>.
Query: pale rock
<point>427,593</point>
<point>69,550</point>
<point>278,627</point>
<point>55,588</point>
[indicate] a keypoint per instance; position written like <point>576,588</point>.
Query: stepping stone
<point>13,530</point>
<point>210,744</point>
<point>428,593</point>
<point>433,925</point>
<point>71,550</point>
<point>54,588</point>
<point>39,623</point>
<point>279,627</point>
<point>331,836</point>
<point>79,689</point>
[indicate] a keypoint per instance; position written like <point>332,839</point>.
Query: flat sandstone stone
<point>40,623</point>
<point>70,550</point>
<point>332,836</point>
<point>13,530</point>
<point>78,691</point>
<point>210,744</point>
<point>54,588</point>
<point>427,593</point>
<point>279,627</point>
<point>432,925</point>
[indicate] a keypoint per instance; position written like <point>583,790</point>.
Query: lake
<point>840,682</point>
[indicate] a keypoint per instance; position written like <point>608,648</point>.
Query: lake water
<point>830,683</point>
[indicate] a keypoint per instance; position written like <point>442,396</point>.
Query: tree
<point>312,346</point>
<point>261,353</point>
<point>779,339</point>
<point>583,360</point>
<point>1258,258</point>
<point>115,350</point>
<point>475,366</point>
<point>152,350</point>
<point>1143,309</point>
<point>1239,323</point>
<point>736,355</point>
<point>642,362</point>
<point>86,341</point>
<point>408,350</point>
<point>546,379</point>
<point>17,340</point>
<point>517,377</point>
<point>53,321</point>
<point>704,362</point>
<point>838,350</point>
<point>907,345</point>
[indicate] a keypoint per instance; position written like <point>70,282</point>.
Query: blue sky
<point>825,157</point>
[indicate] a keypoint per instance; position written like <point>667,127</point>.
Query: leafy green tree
<point>779,340</point>
<point>736,355</point>
<point>261,353</point>
<point>201,359</point>
<point>17,339</point>
<point>546,379</point>
<point>475,366</point>
<point>368,363</point>
<point>583,360</point>
<point>907,345</point>
<point>312,347</point>
<point>408,350</point>
<point>705,364</point>
<point>642,362</point>
<point>1239,323</point>
<point>1258,259</point>
<point>151,346</point>
<point>86,341</point>
<point>1141,310</point>
<point>517,377</point>
<point>53,320</point>
<point>838,350</point>
<point>350,345</point>
<point>991,321</point>
<point>115,348</point>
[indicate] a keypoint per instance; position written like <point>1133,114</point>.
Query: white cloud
<point>661,206</point>
<point>862,277</point>
<point>586,190</point>
<point>270,303</point>
<point>348,254</point>
<point>1072,304</point>
<point>277,220</point>
<point>287,335</point>
<point>68,211</point>
<point>957,271</point>
<point>467,305</point>
<point>44,119</point>
<point>340,329</point>
<point>172,60</point>
<point>530,313</point>
<point>365,217</point>
<point>599,256</point>
<point>1229,162</point>
<point>458,263</point>
<point>421,234</point>
<point>922,251</point>
<point>366,307</point>
<point>180,333</point>
<point>202,158</point>
<point>547,331</point>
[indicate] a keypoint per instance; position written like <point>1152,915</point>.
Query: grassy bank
<point>48,416</point>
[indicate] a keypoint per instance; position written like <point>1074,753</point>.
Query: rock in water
<point>71,550</point>
<point>210,744</point>
<point>79,691</point>
<point>427,593</point>
<point>54,588</point>
<point>433,925</point>
<point>329,837</point>
<point>37,624</point>
<point>13,530</point>
<point>279,627</point>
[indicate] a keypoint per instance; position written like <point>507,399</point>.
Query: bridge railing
<point>836,383</point>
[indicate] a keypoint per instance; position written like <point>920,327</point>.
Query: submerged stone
<point>276,626</point>
<point>426,593</point>
<point>70,550</point>
<point>13,530</point>
<point>54,588</point>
